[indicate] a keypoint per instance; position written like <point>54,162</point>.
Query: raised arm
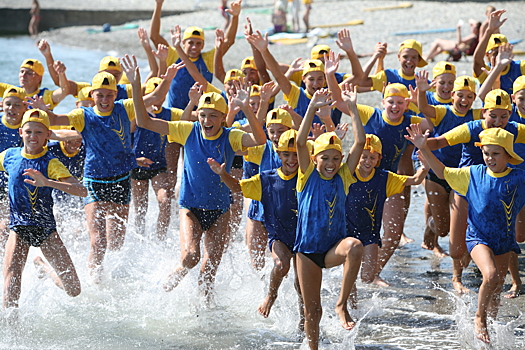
<point>345,43</point>
<point>331,64</point>
<point>157,96</point>
<point>130,67</point>
<point>264,77</point>
<point>144,41</point>
<point>378,56</point>
<point>261,44</point>
<point>60,93</point>
<point>419,140</point>
<point>241,99</point>
<point>350,97</point>
<point>420,174</point>
<point>231,31</point>
<point>162,55</point>
<point>503,58</point>
<point>176,40</point>
<point>422,87</point>
<point>495,22</point>
<point>218,65</point>
<point>154,29</point>
<point>45,50</point>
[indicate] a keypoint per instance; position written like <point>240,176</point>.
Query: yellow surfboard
<point>403,5</point>
<point>353,22</point>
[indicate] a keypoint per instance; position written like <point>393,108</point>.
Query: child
<point>321,241</point>
<point>275,190</point>
<point>33,173</point>
<point>443,76</point>
<point>151,147</point>
<point>365,201</point>
<point>279,16</point>
<point>492,191</point>
<point>204,200</point>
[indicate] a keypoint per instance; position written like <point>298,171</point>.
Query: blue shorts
<point>115,189</point>
<point>498,246</point>
<point>365,238</point>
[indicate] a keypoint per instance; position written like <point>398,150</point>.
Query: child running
<point>275,190</point>
<point>493,192</point>
<point>321,241</point>
<point>33,173</point>
<point>204,200</point>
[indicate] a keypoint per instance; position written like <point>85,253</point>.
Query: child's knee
<point>281,266</point>
<point>190,259</point>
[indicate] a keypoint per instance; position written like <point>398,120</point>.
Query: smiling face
<point>408,58</point>
<point>193,47</point>
<point>444,85</point>
<point>496,118</point>
<point>72,146</point>
<point>14,109</point>
<point>369,160</point>
<point>275,131</point>
<point>395,106</point>
<point>495,158</point>
<point>210,121</point>
<point>328,162</point>
<point>462,100</point>
<point>29,80</point>
<point>289,161</point>
<point>519,100</point>
<point>252,76</point>
<point>34,136</point>
<point>314,81</point>
<point>104,99</point>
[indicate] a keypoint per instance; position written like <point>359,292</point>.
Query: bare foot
<point>439,252</point>
<point>403,240</point>
<point>513,292</point>
<point>96,274</point>
<point>266,305</point>
<point>40,267</point>
<point>173,281</point>
<point>378,281</point>
<point>428,238</point>
<point>480,329</point>
<point>460,288</point>
<point>346,320</point>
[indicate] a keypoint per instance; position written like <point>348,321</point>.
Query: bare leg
<point>16,251</point>
<point>215,242</point>
<point>256,239</point>
<point>515,289</point>
<point>139,192</point>
<point>306,17</point>
<point>236,209</point>
<point>493,268</point>
<point>349,252</point>
<point>439,204</point>
<point>116,220</point>
<point>299,296</point>
<point>457,272</point>
<point>190,253</point>
<point>393,227</point>
<point>458,245</point>
<point>164,192</point>
<point>310,277</point>
<point>281,265</point>
<point>438,46</point>
<point>63,271</point>
<point>96,221</point>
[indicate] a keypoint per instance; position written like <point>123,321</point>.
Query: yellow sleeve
<point>56,170</point>
<point>522,67</point>
<point>378,81</point>
<point>176,113</point>
<point>208,59</point>
<point>129,90</point>
<point>440,114</point>
<point>255,154</point>
<point>482,76</point>
<point>476,114</point>
<point>128,104</point>
<point>252,187</point>
<point>2,156</point>
<point>297,78</point>
<point>413,108</point>
<point>395,183</point>
<point>235,138</point>
<point>415,119</point>
<point>48,99</point>
<point>212,88</point>
<point>521,134</point>
<point>347,177</point>
<point>293,97</point>
<point>173,56</point>
<point>302,178</point>
<point>365,112</point>
<point>460,134</point>
<point>179,131</point>
<point>76,119</point>
<point>3,87</point>
<point>458,179</point>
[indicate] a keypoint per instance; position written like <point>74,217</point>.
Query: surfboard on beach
<point>426,31</point>
<point>353,22</point>
<point>402,5</point>
<point>113,28</point>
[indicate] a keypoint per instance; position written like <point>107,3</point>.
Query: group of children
<point>309,205</point>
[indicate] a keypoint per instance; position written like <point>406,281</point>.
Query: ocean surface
<point>129,309</point>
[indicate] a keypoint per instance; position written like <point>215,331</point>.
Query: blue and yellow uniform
<point>74,162</point>
<point>277,194</point>
<point>434,100</point>
<point>9,137</point>
<point>299,99</point>
<point>494,202</point>
<point>321,209</point>
<point>375,122</point>
<point>514,70</point>
<point>365,202</point>
<point>30,205</point>
<point>201,188</point>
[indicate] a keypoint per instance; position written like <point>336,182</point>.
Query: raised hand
<point>219,38</point>
<point>131,68</point>
<point>349,94</point>
<point>341,130</point>
<point>422,81</point>
<point>344,41</point>
<point>172,70</point>
<point>321,98</point>
<point>44,47</point>
<point>143,38</point>
<point>317,130</point>
<point>176,37</point>
<point>416,136</point>
<point>59,67</point>
<point>267,91</point>
<point>495,20</point>
<point>161,53</point>
<point>235,8</point>
<point>248,29</point>
<point>258,41</point>
<point>195,93</point>
<point>331,63</point>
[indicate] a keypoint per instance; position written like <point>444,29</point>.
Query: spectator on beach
<point>35,18</point>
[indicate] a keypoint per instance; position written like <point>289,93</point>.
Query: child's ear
<point>314,160</point>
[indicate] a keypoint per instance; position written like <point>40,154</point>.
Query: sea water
<point>129,309</point>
